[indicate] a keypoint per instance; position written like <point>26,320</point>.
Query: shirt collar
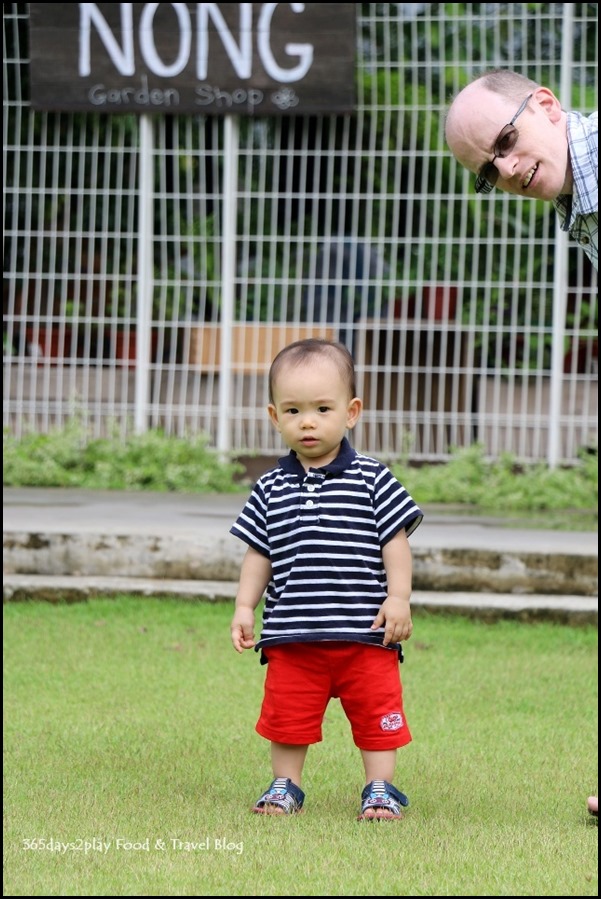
<point>582,143</point>
<point>346,454</point>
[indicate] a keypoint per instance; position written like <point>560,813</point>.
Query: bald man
<point>513,134</point>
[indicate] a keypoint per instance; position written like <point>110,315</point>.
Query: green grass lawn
<point>131,763</point>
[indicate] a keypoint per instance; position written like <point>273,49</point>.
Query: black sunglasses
<point>504,144</point>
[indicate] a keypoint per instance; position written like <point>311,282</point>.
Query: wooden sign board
<point>205,58</point>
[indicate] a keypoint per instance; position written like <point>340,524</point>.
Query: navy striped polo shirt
<point>323,531</point>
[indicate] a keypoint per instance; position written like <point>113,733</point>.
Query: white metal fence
<point>153,265</point>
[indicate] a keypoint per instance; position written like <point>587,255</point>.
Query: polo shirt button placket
<point>310,504</point>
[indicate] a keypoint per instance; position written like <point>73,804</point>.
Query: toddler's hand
<point>396,614</point>
<point>243,629</point>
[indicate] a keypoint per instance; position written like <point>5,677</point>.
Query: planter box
<point>51,343</point>
<point>254,345</point>
<point>435,302</point>
<point>439,302</point>
<point>120,347</point>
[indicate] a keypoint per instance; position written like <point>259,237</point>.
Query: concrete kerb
<point>74,544</point>
<point>199,557</point>
<point>488,607</point>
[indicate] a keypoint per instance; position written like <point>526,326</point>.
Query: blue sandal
<point>283,795</point>
<point>384,799</point>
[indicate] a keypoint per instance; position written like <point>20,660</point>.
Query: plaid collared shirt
<point>578,212</point>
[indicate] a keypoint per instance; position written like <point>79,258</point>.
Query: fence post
<point>231,127</point>
<point>144,274</point>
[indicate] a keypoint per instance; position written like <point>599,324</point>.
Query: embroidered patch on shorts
<point>391,722</point>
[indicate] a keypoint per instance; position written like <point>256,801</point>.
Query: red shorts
<point>303,677</point>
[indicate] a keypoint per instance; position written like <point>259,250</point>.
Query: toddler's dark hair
<point>301,350</point>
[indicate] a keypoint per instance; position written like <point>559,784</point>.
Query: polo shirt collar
<point>346,454</point>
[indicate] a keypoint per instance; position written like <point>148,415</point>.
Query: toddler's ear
<point>353,412</point>
<point>273,414</point>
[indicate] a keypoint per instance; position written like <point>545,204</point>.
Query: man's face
<point>537,165</point>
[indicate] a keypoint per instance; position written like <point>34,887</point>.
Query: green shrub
<point>156,461</point>
<point>501,485</point>
<point>151,461</point>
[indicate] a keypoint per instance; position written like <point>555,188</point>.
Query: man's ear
<point>353,412</point>
<point>549,103</point>
<point>273,414</point>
